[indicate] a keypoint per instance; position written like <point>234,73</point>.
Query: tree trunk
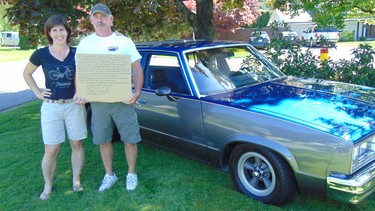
<point>202,21</point>
<point>204,27</point>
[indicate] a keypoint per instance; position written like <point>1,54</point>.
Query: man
<point>123,114</point>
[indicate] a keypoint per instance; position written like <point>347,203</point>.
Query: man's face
<point>101,21</point>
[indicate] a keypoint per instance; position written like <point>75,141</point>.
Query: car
<point>225,104</point>
<point>313,35</point>
<point>289,38</point>
<point>260,39</point>
<point>9,39</point>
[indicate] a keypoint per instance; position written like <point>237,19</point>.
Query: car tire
<point>261,174</point>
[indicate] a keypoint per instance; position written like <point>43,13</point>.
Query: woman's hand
<point>46,93</point>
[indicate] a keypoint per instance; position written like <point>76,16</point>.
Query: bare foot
<point>44,195</point>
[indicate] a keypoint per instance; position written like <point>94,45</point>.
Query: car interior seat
<point>159,78</point>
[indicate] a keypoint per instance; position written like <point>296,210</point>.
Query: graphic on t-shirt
<point>57,74</point>
<point>113,48</point>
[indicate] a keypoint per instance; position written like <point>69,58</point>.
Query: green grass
<point>166,181</point>
<point>355,44</point>
<point>11,54</point>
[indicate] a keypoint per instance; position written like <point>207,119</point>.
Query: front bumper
<point>353,189</point>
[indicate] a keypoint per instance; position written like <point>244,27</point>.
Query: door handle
<point>141,101</point>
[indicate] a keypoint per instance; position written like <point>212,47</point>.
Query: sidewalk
<point>13,89</point>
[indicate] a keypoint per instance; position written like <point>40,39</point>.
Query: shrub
<point>347,36</point>
<point>362,38</point>
<point>294,61</point>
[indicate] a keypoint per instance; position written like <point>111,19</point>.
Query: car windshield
<point>222,69</point>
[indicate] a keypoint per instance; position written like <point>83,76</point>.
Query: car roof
<point>182,45</point>
<point>289,32</point>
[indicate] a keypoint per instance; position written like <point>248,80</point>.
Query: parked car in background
<point>313,35</point>
<point>9,39</point>
<point>259,39</point>
<point>289,38</point>
<point>226,104</point>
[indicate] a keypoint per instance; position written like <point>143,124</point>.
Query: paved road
<point>13,89</point>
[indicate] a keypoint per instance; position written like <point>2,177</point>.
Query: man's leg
<point>110,178</point>
<point>106,151</point>
<point>131,153</point>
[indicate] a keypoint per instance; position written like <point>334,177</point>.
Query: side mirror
<point>165,91</point>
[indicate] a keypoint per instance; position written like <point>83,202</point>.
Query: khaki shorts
<point>105,115</point>
<point>56,118</point>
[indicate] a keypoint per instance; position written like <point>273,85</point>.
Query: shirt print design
<point>61,76</point>
<point>113,48</point>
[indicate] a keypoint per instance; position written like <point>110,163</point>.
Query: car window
<point>221,69</point>
<point>165,70</point>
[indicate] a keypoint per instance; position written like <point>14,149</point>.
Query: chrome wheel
<point>261,174</point>
<point>256,174</point>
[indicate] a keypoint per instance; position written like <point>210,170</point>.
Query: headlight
<point>363,153</point>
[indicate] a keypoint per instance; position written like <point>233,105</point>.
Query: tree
<point>225,15</point>
<point>143,20</point>
<point>4,22</point>
<point>166,19</point>
<point>147,20</point>
<point>31,15</point>
<point>329,12</point>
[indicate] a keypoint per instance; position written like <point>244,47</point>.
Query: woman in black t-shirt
<point>60,113</point>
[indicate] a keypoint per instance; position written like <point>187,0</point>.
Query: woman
<point>59,111</point>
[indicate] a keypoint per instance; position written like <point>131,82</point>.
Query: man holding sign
<point>114,60</point>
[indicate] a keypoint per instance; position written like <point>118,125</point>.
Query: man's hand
<point>132,99</point>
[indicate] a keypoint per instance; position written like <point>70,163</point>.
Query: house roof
<point>280,16</point>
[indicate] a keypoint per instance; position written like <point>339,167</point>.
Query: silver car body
<point>323,130</point>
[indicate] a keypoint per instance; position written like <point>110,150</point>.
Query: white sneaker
<point>107,182</point>
<point>131,181</point>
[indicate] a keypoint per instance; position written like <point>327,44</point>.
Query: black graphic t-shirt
<point>59,75</point>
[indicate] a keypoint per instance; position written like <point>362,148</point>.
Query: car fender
<point>259,142</point>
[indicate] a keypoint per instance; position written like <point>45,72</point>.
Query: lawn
<point>11,54</point>
<point>355,44</point>
<point>166,181</point>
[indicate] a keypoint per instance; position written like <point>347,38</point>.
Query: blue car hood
<point>340,109</point>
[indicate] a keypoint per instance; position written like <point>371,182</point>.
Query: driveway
<point>13,89</point>
<point>334,54</point>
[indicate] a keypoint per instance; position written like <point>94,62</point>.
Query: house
<point>303,21</point>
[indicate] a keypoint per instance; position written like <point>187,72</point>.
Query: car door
<point>173,122</point>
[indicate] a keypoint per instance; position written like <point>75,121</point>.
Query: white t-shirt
<point>113,44</point>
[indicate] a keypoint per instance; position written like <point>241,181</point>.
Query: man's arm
<point>137,73</point>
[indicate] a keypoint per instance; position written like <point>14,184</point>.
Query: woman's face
<point>58,34</point>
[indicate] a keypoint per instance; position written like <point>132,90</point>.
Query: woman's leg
<point>48,168</point>
<point>77,159</point>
